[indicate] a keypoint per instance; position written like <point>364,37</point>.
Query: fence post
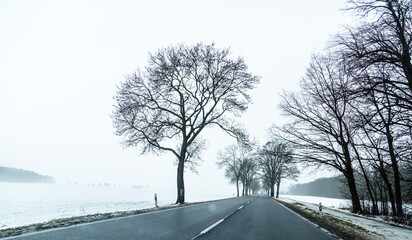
<point>320,209</point>
<point>155,197</point>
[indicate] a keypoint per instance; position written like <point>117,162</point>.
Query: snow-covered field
<point>22,204</point>
<point>335,202</point>
<point>327,202</point>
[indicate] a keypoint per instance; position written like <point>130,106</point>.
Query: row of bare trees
<point>261,169</point>
<point>276,163</point>
<point>240,166</point>
<point>353,112</point>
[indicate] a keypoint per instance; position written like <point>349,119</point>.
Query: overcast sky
<point>60,63</point>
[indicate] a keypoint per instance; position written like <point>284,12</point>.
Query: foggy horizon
<point>62,61</point>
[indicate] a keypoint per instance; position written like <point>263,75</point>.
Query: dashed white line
<point>212,226</point>
<point>218,222</point>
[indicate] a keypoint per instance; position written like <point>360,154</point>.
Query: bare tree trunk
<point>356,206</point>
<point>180,183</point>
<point>389,188</point>
<point>375,194</point>
<point>277,189</point>
<point>408,72</point>
<point>237,186</point>
<point>396,174</point>
<point>383,200</point>
<point>375,210</point>
<point>386,200</point>
<point>351,181</point>
<point>278,183</point>
<point>272,189</point>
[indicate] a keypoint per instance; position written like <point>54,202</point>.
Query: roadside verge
<point>346,225</point>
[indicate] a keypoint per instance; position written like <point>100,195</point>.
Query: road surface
<point>253,217</point>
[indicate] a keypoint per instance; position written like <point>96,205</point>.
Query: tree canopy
<point>182,90</point>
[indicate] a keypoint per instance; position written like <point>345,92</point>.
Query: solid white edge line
<point>212,226</point>
<point>240,207</point>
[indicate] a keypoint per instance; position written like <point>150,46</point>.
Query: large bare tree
<point>321,124</point>
<point>182,90</point>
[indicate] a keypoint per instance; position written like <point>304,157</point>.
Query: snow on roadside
<point>387,230</point>
<point>327,202</point>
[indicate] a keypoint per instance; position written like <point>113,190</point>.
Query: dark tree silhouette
<point>385,37</point>
<point>179,93</point>
<point>385,126</point>
<point>379,51</point>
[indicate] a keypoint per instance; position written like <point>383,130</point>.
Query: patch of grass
<point>346,223</point>
<point>298,204</point>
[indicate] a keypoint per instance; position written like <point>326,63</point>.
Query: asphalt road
<point>253,217</point>
<point>264,218</point>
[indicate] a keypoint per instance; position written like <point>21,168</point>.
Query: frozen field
<point>23,204</point>
<point>333,202</point>
<point>327,202</point>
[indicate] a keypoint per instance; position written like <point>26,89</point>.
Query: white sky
<point>60,62</point>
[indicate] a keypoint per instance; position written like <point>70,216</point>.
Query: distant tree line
<point>322,187</point>
<point>353,112</point>
<point>258,168</point>
<point>22,176</point>
<point>240,166</point>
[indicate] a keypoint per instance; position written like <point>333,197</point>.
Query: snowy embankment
<point>378,229</point>
<point>23,204</point>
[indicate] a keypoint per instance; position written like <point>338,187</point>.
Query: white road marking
<point>216,223</point>
<point>212,226</point>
